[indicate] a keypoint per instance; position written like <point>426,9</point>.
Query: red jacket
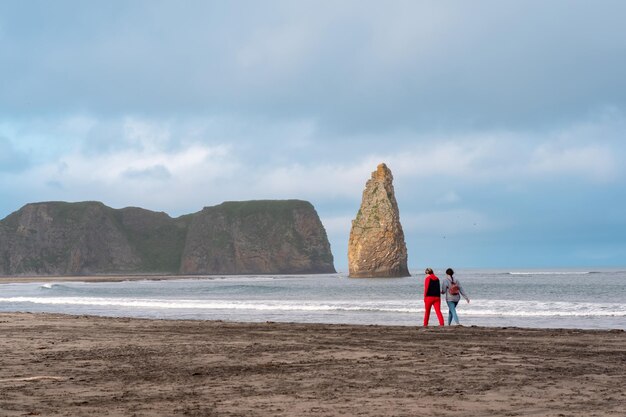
<point>432,286</point>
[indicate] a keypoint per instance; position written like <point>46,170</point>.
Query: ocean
<point>586,299</point>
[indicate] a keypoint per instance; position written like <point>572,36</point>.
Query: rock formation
<point>376,247</point>
<point>257,237</point>
<point>267,237</point>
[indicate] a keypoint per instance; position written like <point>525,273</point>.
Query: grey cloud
<point>356,66</point>
<point>110,135</point>
<point>157,172</point>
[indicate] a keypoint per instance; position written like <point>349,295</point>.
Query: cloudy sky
<point>504,123</point>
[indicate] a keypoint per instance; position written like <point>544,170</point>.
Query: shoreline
<point>58,365</point>
<point>152,301</point>
<point>13,279</point>
<point>120,278</point>
<point>416,324</point>
<point>431,327</point>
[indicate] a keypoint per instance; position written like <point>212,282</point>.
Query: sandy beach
<point>56,365</point>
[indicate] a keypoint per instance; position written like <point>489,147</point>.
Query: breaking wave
<point>552,273</point>
<point>496,308</point>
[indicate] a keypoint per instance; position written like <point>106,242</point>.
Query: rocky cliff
<point>376,247</point>
<point>257,237</point>
<point>58,238</point>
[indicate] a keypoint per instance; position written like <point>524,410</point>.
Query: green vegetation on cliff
<point>278,209</point>
<point>264,236</point>
<point>157,238</point>
<point>90,238</point>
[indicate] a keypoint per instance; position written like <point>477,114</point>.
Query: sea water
<point>592,299</point>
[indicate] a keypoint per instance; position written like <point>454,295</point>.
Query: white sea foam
<point>518,308</point>
<point>201,304</point>
<point>497,308</point>
<point>50,286</point>
<point>550,273</point>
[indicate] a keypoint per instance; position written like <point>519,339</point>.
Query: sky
<point>504,123</point>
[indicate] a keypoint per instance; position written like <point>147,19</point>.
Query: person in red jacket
<point>432,296</point>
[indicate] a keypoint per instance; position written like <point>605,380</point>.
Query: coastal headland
<point>57,365</point>
<point>232,238</point>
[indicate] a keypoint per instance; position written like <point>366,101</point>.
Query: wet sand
<point>55,365</point>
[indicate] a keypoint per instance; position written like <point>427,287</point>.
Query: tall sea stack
<point>377,247</point>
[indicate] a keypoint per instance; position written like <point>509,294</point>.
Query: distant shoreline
<point>122,278</point>
<point>94,278</point>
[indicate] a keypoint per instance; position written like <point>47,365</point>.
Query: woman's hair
<point>449,271</point>
<point>428,271</point>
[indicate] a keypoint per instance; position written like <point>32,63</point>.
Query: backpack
<point>454,287</point>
